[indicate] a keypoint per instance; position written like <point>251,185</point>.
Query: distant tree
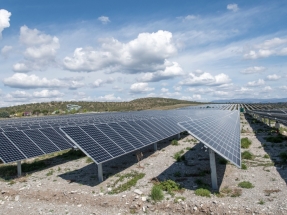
<point>45,112</point>
<point>4,114</point>
<point>12,112</point>
<point>37,111</point>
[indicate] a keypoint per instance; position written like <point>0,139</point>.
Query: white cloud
<point>164,90</point>
<point>21,80</point>
<point>283,88</point>
<point>20,94</point>
<point>6,50</point>
<point>273,77</point>
<point>4,20</point>
<point>47,94</point>
<point>147,53</point>
<point>172,70</point>
<point>104,19</point>
<point>219,93</point>
<point>177,88</point>
<point>40,50</point>
<point>100,82</point>
<point>244,90</point>
<point>254,69</point>
<point>140,88</point>
<point>109,97</point>
<point>260,82</point>
<point>233,7</point>
<point>266,89</point>
<point>194,97</point>
<point>200,90</point>
<point>205,79</point>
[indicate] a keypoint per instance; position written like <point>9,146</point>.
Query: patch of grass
<point>51,172</point>
<point>236,192</point>
<point>178,198</point>
<point>201,184</point>
<point>178,156</point>
<point>174,143</point>
<point>202,192</point>
<point>170,186</point>
<point>156,193</point>
<point>89,160</point>
<point>261,202</point>
<point>243,166</point>
<point>246,184</point>
<point>247,155</point>
<point>266,156</point>
<point>245,143</point>
<point>133,177</point>
<point>11,182</point>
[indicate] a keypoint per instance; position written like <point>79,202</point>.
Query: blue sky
<point>122,50</point>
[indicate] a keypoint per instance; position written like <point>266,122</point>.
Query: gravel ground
<point>71,187</point>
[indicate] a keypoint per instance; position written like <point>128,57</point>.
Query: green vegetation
<point>247,155</point>
<point>245,143</point>
<point>243,166</point>
<point>134,105</point>
<point>177,198</point>
<point>89,160</point>
<point>131,180</point>
<point>170,186</point>
<point>266,156</point>
<point>174,143</point>
<point>261,202</point>
<point>4,114</point>
<point>178,156</point>
<point>202,192</point>
<point>51,172</point>
<point>156,193</point>
<point>246,184</point>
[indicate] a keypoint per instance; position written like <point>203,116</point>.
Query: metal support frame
<point>269,122</point>
<point>178,136</point>
<point>155,146</point>
<point>19,168</point>
<point>100,172</point>
<point>213,170</point>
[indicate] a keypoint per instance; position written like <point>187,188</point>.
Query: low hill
<point>134,105</point>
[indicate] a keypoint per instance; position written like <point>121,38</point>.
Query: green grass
<point>245,143</point>
<point>170,186</point>
<point>266,156</point>
<point>51,172</point>
<point>247,155</point>
<point>132,179</point>
<point>174,143</point>
<point>243,166</point>
<point>202,192</point>
<point>261,202</point>
<point>156,193</point>
<point>178,156</point>
<point>89,160</point>
<point>246,184</point>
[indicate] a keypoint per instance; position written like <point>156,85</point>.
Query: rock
<point>123,196</point>
<point>195,208</point>
<point>101,194</point>
<point>109,189</point>
<point>79,206</point>
<point>133,207</point>
<point>17,198</point>
<point>214,202</point>
<point>137,197</point>
<point>144,210</point>
<point>137,191</point>
<point>144,198</point>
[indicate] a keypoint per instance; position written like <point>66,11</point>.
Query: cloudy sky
<point>121,50</point>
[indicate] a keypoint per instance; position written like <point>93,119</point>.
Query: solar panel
<point>223,136</point>
<point>56,138</point>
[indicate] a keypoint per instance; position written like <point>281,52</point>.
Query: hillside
<point>137,104</point>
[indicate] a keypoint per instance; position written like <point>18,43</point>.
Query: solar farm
<point>215,158</point>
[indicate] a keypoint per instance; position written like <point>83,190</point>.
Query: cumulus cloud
<point>4,20</point>
<point>177,88</point>
<point>47,94</point>
<point>99,82</point>
<point>275,46</point>
<point>233,7</point>
<point>254,69</point>
<point>205,79</point>
<point>21,80</point>
<point>194,97</point>
<point>172,70</point>
<point>243,90</point>
<point>6,50</point>
<point>104,19</point>
<point>109,97</point>
<point>140,88</point>
<point>266,89</point>
<point>273,77</point>
<point>164,90</point>
<point>283,88</point>
<point>147,53</point>
<point>40,50</point>
<point>260,82</point>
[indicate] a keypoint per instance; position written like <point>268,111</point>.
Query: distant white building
<point>73,107</point>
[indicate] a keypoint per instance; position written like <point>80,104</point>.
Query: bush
<point>202,192</point>
<point>178,157</point>
<point>243,166</point>
<point>170,186</point>
<point>245,143</point>
<point>174,143</point>
<point>247,155</point>
<point>245,184</point>
<point>156,193</point>
<point>4,114</point>
<point>266,156</point>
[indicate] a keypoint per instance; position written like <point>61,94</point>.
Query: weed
<point>89,160</point>
<point>170,186</point>
<point>266,156</point>
<point>156,193</point>
<point>174,143</point>
<point>261,202</point>
<point>51,171</point>
<point>59,169</point>
<point>188,148</point>
<point>236,192</point>
<point>202,192</point>
<point>245,143</point>
<point>277,139</point>
<point>243,166</point>
<point>178,157</point>
<point>245,184</point>
<point>247,155</point>
<point>178,198</point>
<point>11,182</point>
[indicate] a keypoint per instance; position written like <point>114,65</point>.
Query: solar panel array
<point>101,136</point>
<point>221,133</point>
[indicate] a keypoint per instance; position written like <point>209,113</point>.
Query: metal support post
<point>178,136</point>
<point>19,168</point>
<point>100,172</point>
<point>269,122</point>
<point>155,146</point>
<point>213,170</point>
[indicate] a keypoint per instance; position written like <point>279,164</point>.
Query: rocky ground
<point>66,183</point>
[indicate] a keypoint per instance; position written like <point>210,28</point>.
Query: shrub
<point>245,184</point>
<point>247,155</point>
<point>170,186</point>
<point>156,193</point>
<point>245,143</point>
<point>4,114</point>
<point>202,192</point>
<point>174,143</point>
<point>243,166</point>
<point>266,156</point>
<point>178,157</point>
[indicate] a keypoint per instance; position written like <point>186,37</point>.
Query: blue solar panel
<point>24,144</point>
<point>56,138</point>
<point>88,145</point>
<point>141,130</point>
<point>9,152</point>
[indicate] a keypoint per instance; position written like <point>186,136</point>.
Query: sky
<point>90,50</point>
